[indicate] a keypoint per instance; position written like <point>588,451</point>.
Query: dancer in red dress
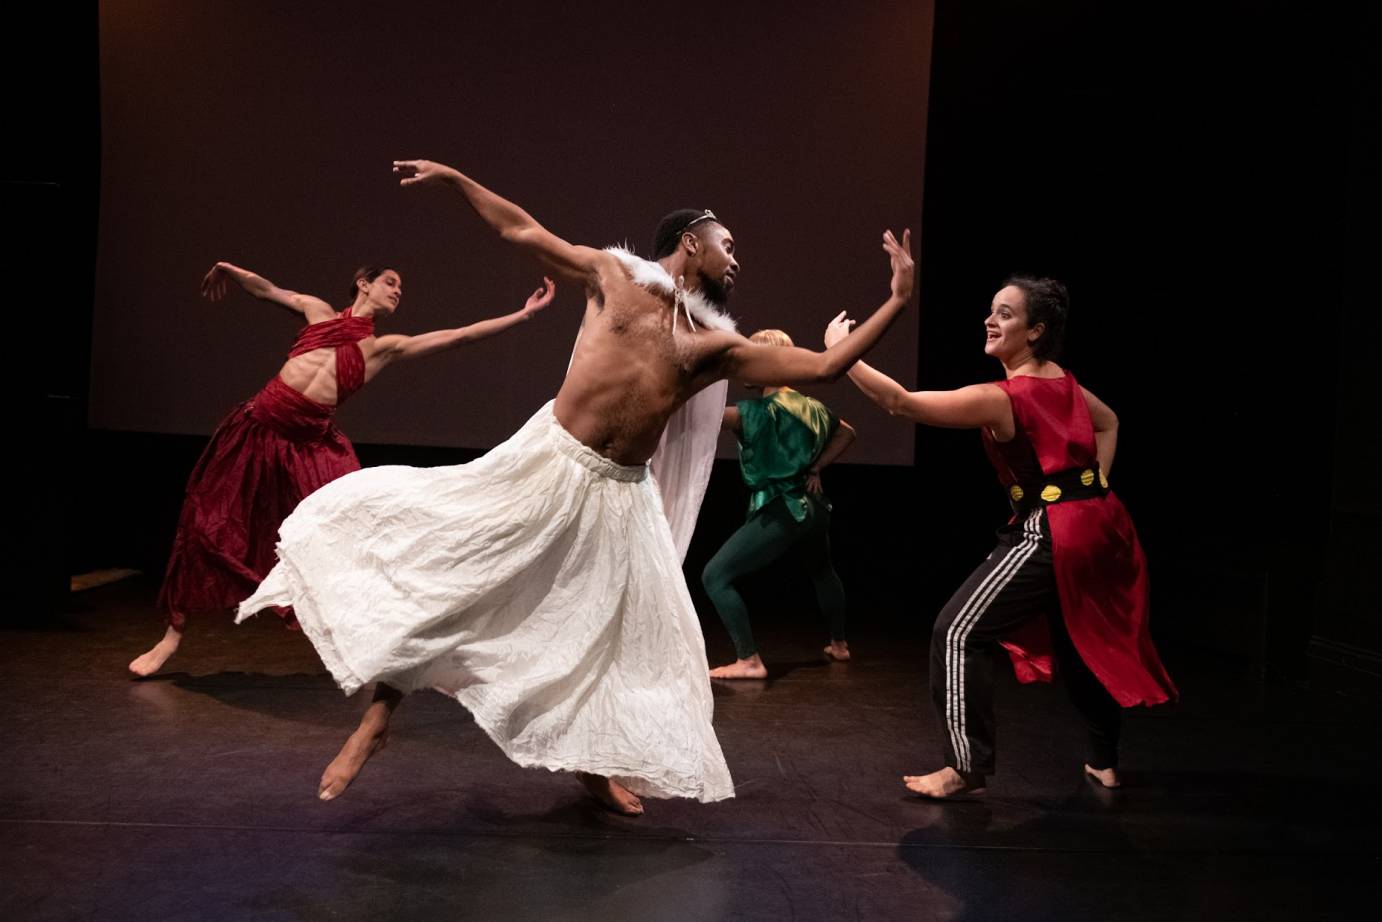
<point>282,444</point>
<point>1067,584</point>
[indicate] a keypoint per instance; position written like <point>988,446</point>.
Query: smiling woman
<point>1067,583</point>
<point>1031,311</point>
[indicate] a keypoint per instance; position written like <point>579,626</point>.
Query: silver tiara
<point>708,216</point>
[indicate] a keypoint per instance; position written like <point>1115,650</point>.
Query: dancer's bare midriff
<point>313,374</point>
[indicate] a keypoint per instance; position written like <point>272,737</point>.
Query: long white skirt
<point>538,585</point>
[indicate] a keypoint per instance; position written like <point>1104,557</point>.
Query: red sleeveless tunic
<point>1101,572</point>
<point>269,453</point>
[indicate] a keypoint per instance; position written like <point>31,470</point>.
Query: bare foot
<point>945,783</point>
<point>838,651</point>
<point>611,794</point>
<point>1108,777</point>
<point>151,662</point>
<point>751,668</point>
<point>368,739</point>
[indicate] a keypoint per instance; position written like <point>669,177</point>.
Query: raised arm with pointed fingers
<point>216,285</point>
<point>571,261</point>
<point>391,348</point>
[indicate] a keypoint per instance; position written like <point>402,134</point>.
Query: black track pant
<point>1014,585</point>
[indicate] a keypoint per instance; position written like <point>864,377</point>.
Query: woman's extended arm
<point>216,285</point>
<point>389,348</point>
<point>973,407</point>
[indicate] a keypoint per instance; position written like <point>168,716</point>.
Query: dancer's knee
<point>715,577</point>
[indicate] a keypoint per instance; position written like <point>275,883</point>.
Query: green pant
<point>769,534</point>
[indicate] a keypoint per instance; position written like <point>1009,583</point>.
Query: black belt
<point>1060,487</point>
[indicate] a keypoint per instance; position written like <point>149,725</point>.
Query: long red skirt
<point>263,458</point>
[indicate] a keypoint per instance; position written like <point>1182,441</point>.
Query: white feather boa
<point>647,274</point>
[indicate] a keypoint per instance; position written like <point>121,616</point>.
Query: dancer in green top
<point>785,438</point>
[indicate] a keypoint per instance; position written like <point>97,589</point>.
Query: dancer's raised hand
<point>900,256</point>
<point>540,298</point>
<point>413,172</point>
<point>216,284</point>
<point>837,329</point>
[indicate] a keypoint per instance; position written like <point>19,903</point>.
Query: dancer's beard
<point>714,291</point>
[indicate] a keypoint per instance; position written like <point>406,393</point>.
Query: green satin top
<point>781,435</point>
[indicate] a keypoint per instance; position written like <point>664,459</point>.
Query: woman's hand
<point>838,329</point>
<point>216,284</point>
<point>540,298</point>
<point>900,257</point>
<point>415,172</point>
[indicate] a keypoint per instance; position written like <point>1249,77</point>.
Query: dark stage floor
<point>192,796</point>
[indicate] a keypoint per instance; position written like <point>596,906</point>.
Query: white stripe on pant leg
<point>1014,564</point>
<point>952,689</point>
<point>954,673</point>
<point>1031,530</point>
<point>974,609</point>
<point>960,628</point>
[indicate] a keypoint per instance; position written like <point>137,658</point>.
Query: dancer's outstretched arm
<point>1105,430</point>
<point>216,285</point>
<point>389,348</point>
<point>974,407</point>
<point>966,408</point>
<point>576,263</point>
<point>789,365</point>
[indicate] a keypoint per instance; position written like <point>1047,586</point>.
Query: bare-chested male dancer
<point>539,584</point>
